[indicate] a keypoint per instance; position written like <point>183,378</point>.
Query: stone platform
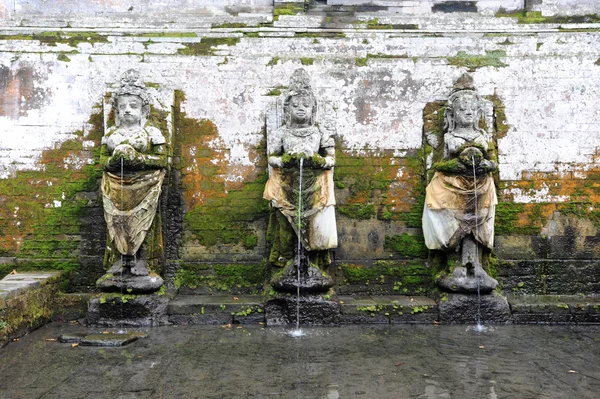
<point>118,310</point>
<point>225,309</point>
<point>27,301</point>
<point>379,309</point>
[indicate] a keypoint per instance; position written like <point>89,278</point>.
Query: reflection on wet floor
<point>332,363</point>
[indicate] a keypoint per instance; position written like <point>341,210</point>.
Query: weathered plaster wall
<point>214,86</point>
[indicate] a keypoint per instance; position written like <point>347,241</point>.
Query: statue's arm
<point>329,155</point>
<point>157,159</point>
<point>105,158</point>
<point>275,157</point>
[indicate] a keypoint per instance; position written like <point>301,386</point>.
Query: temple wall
<point>213,83</point>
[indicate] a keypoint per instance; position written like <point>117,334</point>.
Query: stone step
<point>554,309</point>
<point>386,309</point>
<point>27,300</point>
<point>216,309</point>
<point>13,284</point>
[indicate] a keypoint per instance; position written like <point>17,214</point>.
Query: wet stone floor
<point>409,361</point>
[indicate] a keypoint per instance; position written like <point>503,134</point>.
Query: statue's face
<point>465,110</point>
<point>301,108</point>
<point>130,110</point>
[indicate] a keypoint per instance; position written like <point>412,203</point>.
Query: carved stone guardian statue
<point>134,162</point>
<point>302,226</point>
<point>460,201</point>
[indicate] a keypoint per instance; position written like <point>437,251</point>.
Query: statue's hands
<point>329,162</point>
<point>129,156</point>
<point>471,156</point>
<point>276,162</point>
<point>487,166</point>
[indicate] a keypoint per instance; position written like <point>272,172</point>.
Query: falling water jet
<point>477,262</point>
<point>298,332</point>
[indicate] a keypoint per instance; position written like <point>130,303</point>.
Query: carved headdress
<point>299,86</point>
<point>463,86</point>
<point>132,85</point>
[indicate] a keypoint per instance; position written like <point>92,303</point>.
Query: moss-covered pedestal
<point>127,310</point>
<point>313,310</point>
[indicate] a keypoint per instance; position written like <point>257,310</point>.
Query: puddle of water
<point>400,361</point>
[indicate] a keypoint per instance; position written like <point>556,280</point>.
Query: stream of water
<point>480,326</point>
<point>298,332</point>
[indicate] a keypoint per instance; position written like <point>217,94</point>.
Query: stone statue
<point>134,169</point>
<point>301,153</point>
<point>460,200</point>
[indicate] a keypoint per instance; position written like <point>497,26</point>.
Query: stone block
<point>541,309</point>
<point>468,309</point>
<point>313,310</point>
<point>118,310</point>
<point>216,309</point>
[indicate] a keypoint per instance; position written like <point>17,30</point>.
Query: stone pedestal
<point>130,283</point>
<point>462,309</point>
<point>117,310</point>
<point>314,310</point>
<point>311,281</point>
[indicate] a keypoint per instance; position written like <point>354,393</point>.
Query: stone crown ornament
<point>131,84</point>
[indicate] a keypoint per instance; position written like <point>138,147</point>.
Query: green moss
<point>321,34</point>
<point>307,61</point>
<point>536,17</point>
<point>360,62</point>
<point>49,231</point>
<point>250,241</point>
<point>409,277</point>
<point>276,91</point>
<point>224,215</point>
<point>166,34</point>
<point>449,166</point>
<point>492,58</point>
<point>357,211</point>
<point>63,57</point>
<point>27,310</point>
<point>273,61</point>
<point>294,8</point>
<point>406,245</point>
<point>374,24</point>
<point>230,25</point>
<point>249,278</point>
<point>207,45</point>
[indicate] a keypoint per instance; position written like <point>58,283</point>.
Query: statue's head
<point>299,104</point>
<point>131,101</point>
<point>465,107</point>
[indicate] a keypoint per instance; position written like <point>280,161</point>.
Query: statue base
<point>463,309</point>
<point>461,282</point>
<point>128,283</point>
<point>314,310</point>
<point>311,281</point>
<point>117,310</point>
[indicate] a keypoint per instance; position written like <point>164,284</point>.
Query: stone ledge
<point>384,309</point>
<point>216,309</point>
<point>27,301</point>
<point>14,284</point>
<point>555,309</point>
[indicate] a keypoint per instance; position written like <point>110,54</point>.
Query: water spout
<point>299,248</point>
<point>477,263</point>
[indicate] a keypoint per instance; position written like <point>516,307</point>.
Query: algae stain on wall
<point>219,209</point>
<point>45,213</point>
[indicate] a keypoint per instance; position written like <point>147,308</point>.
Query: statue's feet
<point>117,269</point>
<point>139,268</point>
<point>461,281</point>
<point>312,280</point>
